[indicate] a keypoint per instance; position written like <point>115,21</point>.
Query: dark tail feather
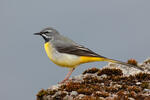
<point>123,63</point>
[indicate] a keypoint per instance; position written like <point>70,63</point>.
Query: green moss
<point>86,91</point>
<point>111,89</point>
<point>118,78</point>
<point>60,96</point>
<point>101,94</point>
<point>132,94</point>
<point>42,93</point>
<point>51,92</point>
<point>121,95</point>
<point>134,88</point>
<point>145,85</point>
<point>87,98</point>
<point>142,76</point>
<point>92,70</point>
<point>70,86</point>
<point>91,80</point>
<point>110,72</point>
<point>124,86</point>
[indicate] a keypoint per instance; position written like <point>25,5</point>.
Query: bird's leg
<point>68,75</point>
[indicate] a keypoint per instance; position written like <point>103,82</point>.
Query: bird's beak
<point>39,33</point>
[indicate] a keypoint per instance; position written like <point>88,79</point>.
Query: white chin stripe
<point>45,35</point>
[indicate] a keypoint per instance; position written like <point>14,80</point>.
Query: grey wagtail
<point>66,53</point>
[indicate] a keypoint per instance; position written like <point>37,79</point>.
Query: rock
<point>113,82</point>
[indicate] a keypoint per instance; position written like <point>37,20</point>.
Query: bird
<point>65,52</point>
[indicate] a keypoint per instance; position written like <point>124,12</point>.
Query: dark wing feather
<point>77,50</point>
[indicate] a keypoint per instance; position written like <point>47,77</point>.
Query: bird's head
<point>47,34</point>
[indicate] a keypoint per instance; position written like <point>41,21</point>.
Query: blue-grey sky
<point>113,28</point>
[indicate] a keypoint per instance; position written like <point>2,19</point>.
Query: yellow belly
<point>48,49</point>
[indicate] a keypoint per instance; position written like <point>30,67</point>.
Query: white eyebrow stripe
<point>49,30</point>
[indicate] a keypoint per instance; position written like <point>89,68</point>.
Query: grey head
<point>48,34</point>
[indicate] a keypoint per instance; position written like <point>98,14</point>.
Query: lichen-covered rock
<point>130,70</point>
<point>113,82</point>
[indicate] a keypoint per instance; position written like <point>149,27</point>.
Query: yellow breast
<point>48,49</point>
<point>61,59</point>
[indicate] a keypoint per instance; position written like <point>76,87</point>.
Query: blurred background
<point>116,29</point>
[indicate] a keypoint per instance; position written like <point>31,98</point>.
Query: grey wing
<point>77,50</point>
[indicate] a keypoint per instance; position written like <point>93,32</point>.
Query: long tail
<point>122,63</point>
<point>85,59</point>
